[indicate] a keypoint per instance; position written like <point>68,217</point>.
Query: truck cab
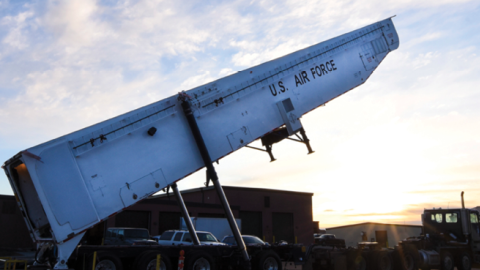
<point>450,238</point>
<point>453,225</point>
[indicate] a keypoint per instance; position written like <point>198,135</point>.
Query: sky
<point>405,140</point>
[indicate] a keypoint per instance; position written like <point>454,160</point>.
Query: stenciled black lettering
<point>333,65</point>
<point>304,75</point>
<point>322,66</point>
<point>328,63</point>
<point>282,88</point>
<point>318,71</point>
<point>297,81</point>
<point>313,72</point>
<point>273,91</point>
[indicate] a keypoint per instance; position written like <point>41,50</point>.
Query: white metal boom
<point>71,183</point>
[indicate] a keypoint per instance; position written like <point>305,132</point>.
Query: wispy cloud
<point>385,150</point>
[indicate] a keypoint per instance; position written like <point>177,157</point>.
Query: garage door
<point>282,227</point>
<point>252,223</point>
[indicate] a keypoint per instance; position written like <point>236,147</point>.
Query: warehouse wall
<point>353,233</point>
<point>272,215</point>
<point>292,209</point>
<point>13,231</point>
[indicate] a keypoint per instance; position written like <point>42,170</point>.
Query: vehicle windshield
<point>253,240</point>
<point>247,239</point>
<point>327,236</point>
<point>137,234</point>
<point>167,236</point>
<point>206,237</point>
<point>203,237</point>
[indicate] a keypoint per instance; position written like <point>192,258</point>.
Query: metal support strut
<point>186,216</point>
<point>213,176</point>
<point>306,141</point>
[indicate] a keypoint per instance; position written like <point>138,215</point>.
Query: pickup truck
<point>182,237</point>
<point>330,240</point>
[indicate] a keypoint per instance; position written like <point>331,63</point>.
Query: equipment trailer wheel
<point>199,261</point>
<point>409,258</point>
<point>105,261</point>
<point>268,260</point>
<point>464,261</point>
<point>358,262</point>
<point>447,262</point>
<point>383,261</point>
<point>148,261</point>
<point>355,260</point>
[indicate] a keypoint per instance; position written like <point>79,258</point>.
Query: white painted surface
<point>80,184</point>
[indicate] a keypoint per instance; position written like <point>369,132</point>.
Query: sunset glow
<point>405,140</point>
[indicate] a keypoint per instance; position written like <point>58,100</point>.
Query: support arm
<point>186,216</point>
<point>213,176</point>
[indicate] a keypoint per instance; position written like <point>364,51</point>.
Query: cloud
<point>197,80</point>
<point>225,72</point>
<point>424,59</point>
<point>74,23</point>
<point>388,149</point>
<point>16,29</point>
<point>424,38</point>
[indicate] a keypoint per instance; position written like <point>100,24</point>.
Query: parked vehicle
<point>219,227</point>
<point>317,235</point>
<point>248,239</point>
<point>128,236</point>
<point>330,240</point>
<point>182,237</point>
<point>451,238</point>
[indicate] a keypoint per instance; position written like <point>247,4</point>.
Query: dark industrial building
<point>272,215</point>
<point>13,230</point>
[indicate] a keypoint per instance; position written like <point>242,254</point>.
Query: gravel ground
<point>29,255</point>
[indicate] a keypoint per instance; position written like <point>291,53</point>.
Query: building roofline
<point>8,197</point>
<point>201,189</point>
<point>270,190</point>
<point>373,223</point>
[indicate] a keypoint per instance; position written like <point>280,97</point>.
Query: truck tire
<point>148,261</point>
<point>446,261</point>
<point>105,261</point>
<point>357,262</point>
<point>383,261</point>
<point>267,260</point>
<point>464,261</point>
<point>199,261</point>
<point>409,258</point>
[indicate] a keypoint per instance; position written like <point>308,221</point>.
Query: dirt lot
<point>29,255</point>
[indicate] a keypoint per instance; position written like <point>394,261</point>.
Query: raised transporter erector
<point>67,185</point>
